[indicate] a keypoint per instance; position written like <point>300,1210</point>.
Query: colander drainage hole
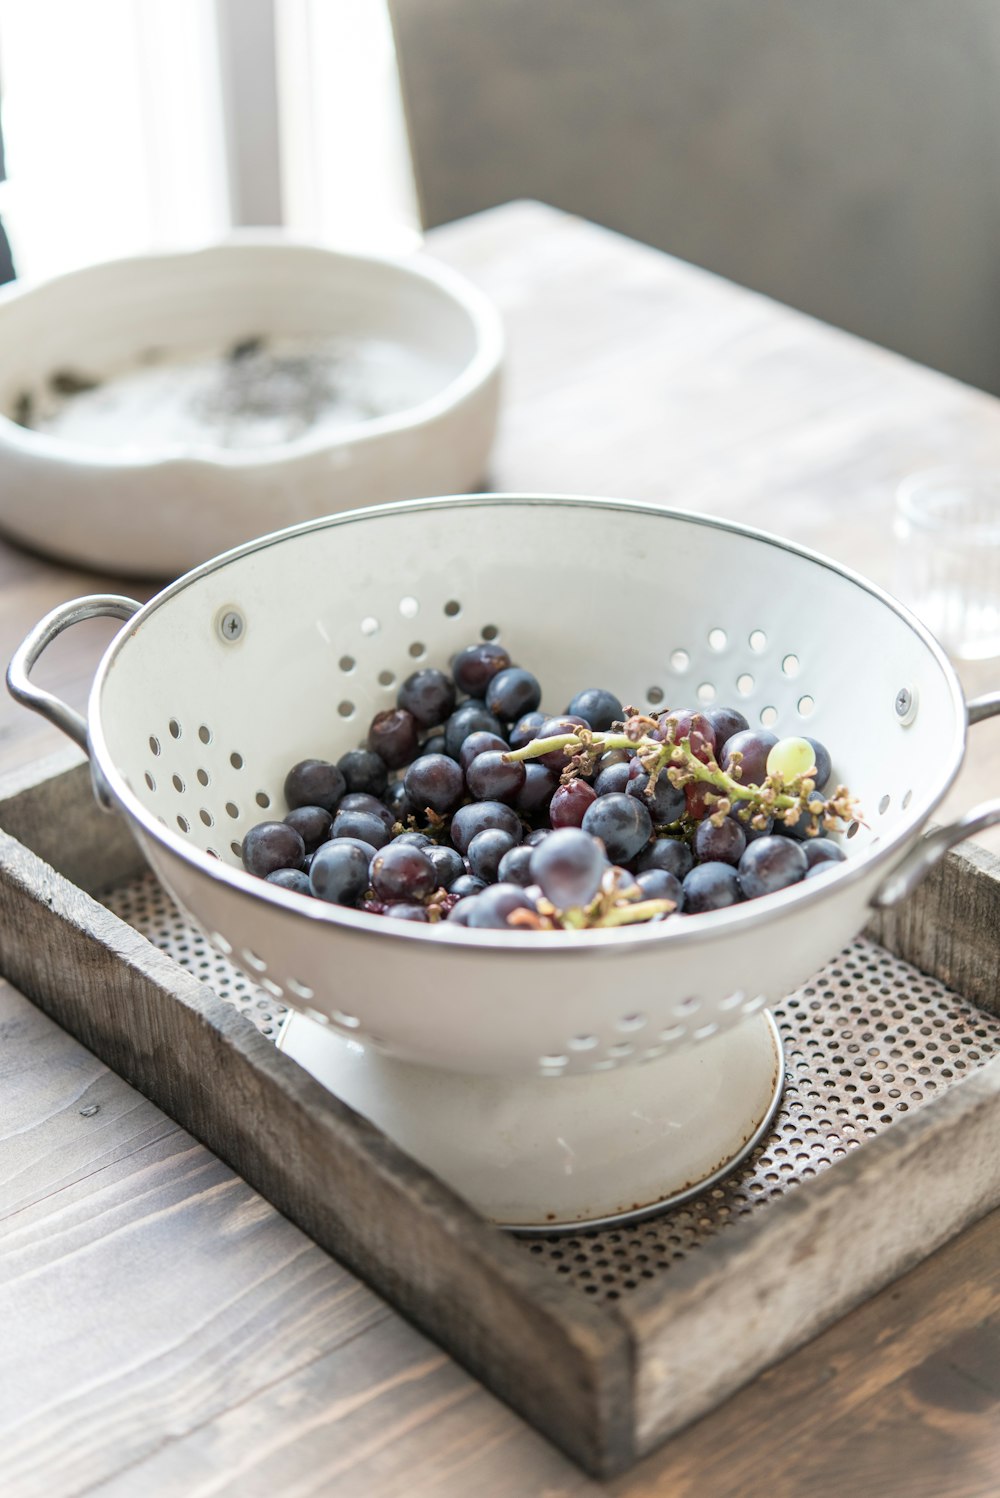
<point>236,760</point>
<point>175,728</point>
<point>805,706</point>
<point>453,608</point>
<point>262,799</point>
<point>154,744</point>
<point>184,824</point>
<point>206,817</point>
<point>386,678</point>
<point>758,640</point>
<point>883,805</point>
<point>418,648</point>
<point>706,692</point>
<point>679,661</point>
<point>232,810</point>
<point>654,695</point>
<point>744,684</point>
<point>345,709</point>
<point>409,607</point>
<point>177,784</point>
<point>205,734</point>
<point>489,631</point>
<point>203,777</point>
<point>347,663</point>
<point>150,781</point>
<point>768,715</point>
<point>718,639</point>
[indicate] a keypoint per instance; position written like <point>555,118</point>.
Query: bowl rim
<point>486,359</point>
<point>693,928</point>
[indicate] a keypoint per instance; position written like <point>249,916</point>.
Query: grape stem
<point>786,801</point>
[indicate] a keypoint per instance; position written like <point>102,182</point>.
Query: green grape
<point>791,757</point>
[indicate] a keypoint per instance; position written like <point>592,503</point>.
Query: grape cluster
<point>469,803</point>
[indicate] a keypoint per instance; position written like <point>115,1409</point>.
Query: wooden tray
<point>608,1341</point>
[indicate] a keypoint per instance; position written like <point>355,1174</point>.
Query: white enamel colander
<point>285,648</point>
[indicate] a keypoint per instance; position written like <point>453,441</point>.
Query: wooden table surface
<point>162,1329</point>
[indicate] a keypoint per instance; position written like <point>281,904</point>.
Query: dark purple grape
<point>270,846</point>
<point>492,778</point>
<point>660,884</point>
<point>726,722</point>
<point>824,764</point>
<point>478,743</point>
<point>293,879</point>
<point>361,801</point>
<point>525,729</point>
<point>614,780</point>
<point>475,667</point>
<point>458,915</point>
<point>666,853</point>
<point>822,850</point>
<point>314,782</point>
<point>312,823</point>
<point>339,872</point>
<point>667,803</point>
<point>557,759</point>
<point>405,910</point>
<point>491,908</point>
<point>569,804</point>
<point>723,844</point>
<point>364,771</point>
<point>515,866</point>
<point>368,849</point>
<point>694,727</point>
<point>512,693</point>
<point>614,757</point>
<point>394,737</point>
<point>807,826</point>
<point>428,695</point>
<point>754,744</point>
<point>466,885</point>
<point>448,864</point>
<point>414,839</point>
<point>436,744</point>
<point>398,802</point>
<point>477,816</point>
<point>750,832</point>
<point>472,717</point>
<point>537,836</point>
<point>486,850</point>
<point>597,707</point>
<point>827,866</point>
<point>434,782</point>
<point>537,791</point>
<point>402,872</point>
<point>770,864</point>
<point>711,886</point>
<point>363,825</point>
<point>622,823</point>
<point>569,866</point>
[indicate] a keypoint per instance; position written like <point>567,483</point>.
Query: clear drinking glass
<point>948,557</point>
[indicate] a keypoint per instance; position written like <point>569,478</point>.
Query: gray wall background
<point>840,155</point>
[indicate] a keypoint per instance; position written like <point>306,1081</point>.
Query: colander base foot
<point>544,1155</point>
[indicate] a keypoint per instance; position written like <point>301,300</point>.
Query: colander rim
<point>693,928</point>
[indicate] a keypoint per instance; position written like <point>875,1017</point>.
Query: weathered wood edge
<point>813,1255</point>
<point>950,926</point>
<point>563,1362</point>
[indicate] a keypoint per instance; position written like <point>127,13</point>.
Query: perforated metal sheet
<point>868,1040</point>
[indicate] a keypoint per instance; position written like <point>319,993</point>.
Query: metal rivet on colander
<point>906,705</point>
<point>231,625</point>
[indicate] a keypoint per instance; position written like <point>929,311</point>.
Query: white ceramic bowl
<point>156,509</point>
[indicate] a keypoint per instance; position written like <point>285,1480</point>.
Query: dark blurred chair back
<point>841,155</point>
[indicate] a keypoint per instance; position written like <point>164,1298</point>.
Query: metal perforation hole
<point>553,1062</point>
<point>154,744</point>
<point>184,824</point>
<point>805,706</point>
<point>253,959</point>
<point>301,991</point>
<point>757,641</point>
<point>744,684</point>
<point>489,631</point>
<point>418,649</point>
<point>174,728</point>
<point>236,760</point>
<point>262,799</point>
<point>232,810</point>
<point>627,1023</point>
<point>205,734</point>
<point>370,625</point>
<point>202,777</point>
<point>236,848</point>
<point>177,783</point>
<point>409,607</point>
<point>768,716</point>
<point>718,639</point>
<point>679,661</point>
<point>206,816</point>
<point>883,805</point>
<point>853,830</point>
<point>345,709</point>
<point>347,664</point>
<point>213,853</point>
<point>582,1042</point>
<point>386,678</point>
<point>907,798</point>
<point>453,608</point>
<point>790,665</point>
<point>346,1021</point>
<point>706,692</point>
<point>149,781</point>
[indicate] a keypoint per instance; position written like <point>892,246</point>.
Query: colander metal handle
<point>96,605</point>
<point>931,849</point>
